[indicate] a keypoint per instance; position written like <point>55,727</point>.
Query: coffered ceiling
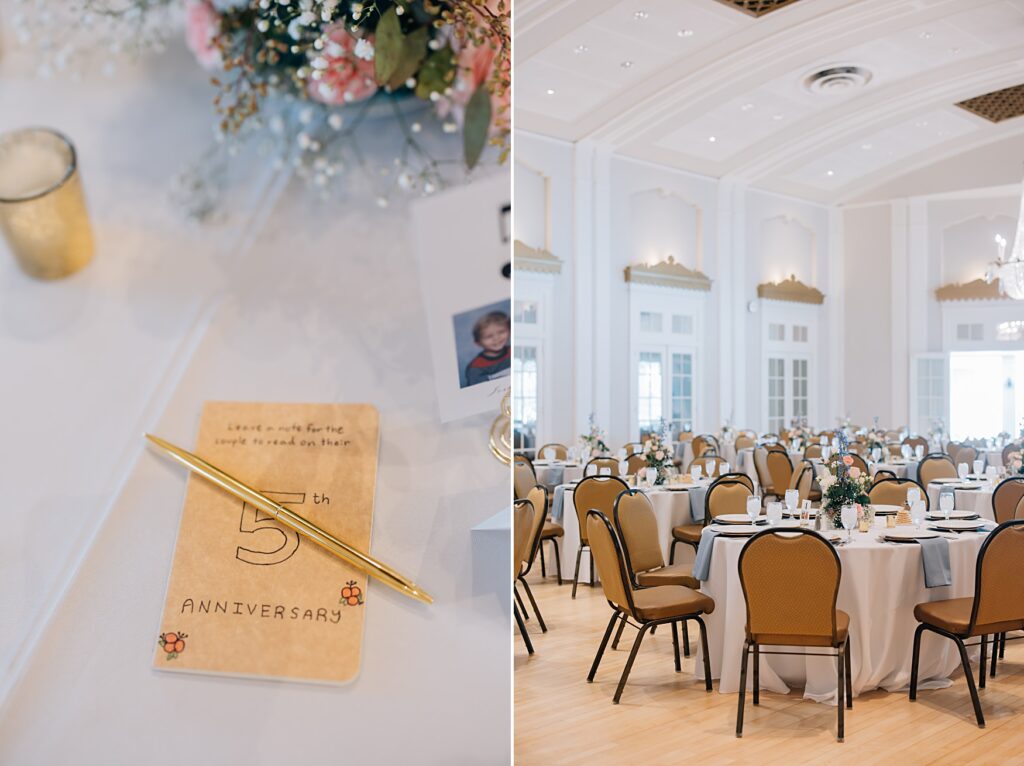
<point>817,98</point>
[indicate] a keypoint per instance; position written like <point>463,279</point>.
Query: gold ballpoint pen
<point>292,520</point>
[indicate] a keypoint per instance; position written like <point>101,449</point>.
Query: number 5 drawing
<point>255,521</point>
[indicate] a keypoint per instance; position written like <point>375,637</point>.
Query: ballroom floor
<point>668,718</point>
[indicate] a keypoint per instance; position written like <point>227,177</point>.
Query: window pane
<point>649,390</point>
<point>525,312</point>
<point>650,321</point>
<point>524,395</point>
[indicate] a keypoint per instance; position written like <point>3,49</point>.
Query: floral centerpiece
<point>658,455</point>
<point>1015,463</point>
<point>875,439</point>
<point>799,429</point>
<point>594,439</point>
<point>842,483</point>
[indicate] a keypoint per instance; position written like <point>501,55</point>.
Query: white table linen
<point>977,501</point>
<point>553,474</point>
<point>881,583</point>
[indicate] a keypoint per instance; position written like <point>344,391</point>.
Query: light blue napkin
<point>935,560</point>
<point>697,495</point>
<point>557,503</point>
<point>556,473</point>
<point>702,563</point>
<point>912,466</point>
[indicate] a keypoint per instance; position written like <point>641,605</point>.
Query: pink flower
<point>847,460</point>
<point>346,78</point>
<point>855,473</point>
<point>202,27</point>
<point>475,65</point>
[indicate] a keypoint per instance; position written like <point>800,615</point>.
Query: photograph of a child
<point>482,343</point>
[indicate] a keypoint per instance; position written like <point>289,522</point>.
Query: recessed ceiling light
<point>550,91</point>
<point>926,35</point>
<point>921,124</point>
<point>684,33</point>
<point>830,173</point>
<point>866,147</point>
<point>626,64</point>
<point>746,107</point>
<point>712,139</point>
<point>580,49</point>
<point>640,15</point>
<point>779,116</point>
<point>954,51</point>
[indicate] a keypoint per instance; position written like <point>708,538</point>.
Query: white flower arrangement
<point>658,455</point>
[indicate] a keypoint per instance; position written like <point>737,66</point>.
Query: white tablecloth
<point>881,584</point>
<point>553,475</point>
<point>977,501</point>
<point>671,508</point>
<point>684,452</point>
<point>902,470</point>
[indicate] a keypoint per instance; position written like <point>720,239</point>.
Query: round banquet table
<point>881,583</point>
<point>684,453</point>
<point>671,509</point>
<point>555,473</point>
<point>977,501</point>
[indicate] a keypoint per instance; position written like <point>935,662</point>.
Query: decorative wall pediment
<point>791,290</point>
<point>668,273</point>
<point>528,258</point>
<point>977,290</point>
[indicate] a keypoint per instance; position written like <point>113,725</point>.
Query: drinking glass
<point>42,208</point>
<point>946,500</point>
<point>991,473</point>
<point>792,498</point>
<point>979,466</point>
<point>622,454</point>
<point>876,454</point>
<point>623,467</point>
<point>825,453</point>
<point>848,516</point>
<point>919,452</point>
<point>695,473</point>
<point>724,468</point>
<point>774,513</point>
<point>823,440</point>
<point>549,453</point>
<point>651,474</point>
<point>962,470</point>
<point>753,508</point>
<point>805,513</point>
<point>905,451</point>
<point>917,513</point>
<point>913,495</point>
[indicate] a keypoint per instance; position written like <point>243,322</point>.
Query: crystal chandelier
<point>1010,273</point>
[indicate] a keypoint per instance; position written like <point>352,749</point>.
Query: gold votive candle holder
<point>43,216</point>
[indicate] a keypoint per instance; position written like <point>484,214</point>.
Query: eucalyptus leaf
<point>387,46</point>
<point>413,51</point>
<point>476,126</point>
<point>438,73</point>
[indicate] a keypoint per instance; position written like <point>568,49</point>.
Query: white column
<point>581,381</point>
<point>833,366</point>
<point>734,296</point>
<point>899,325</point>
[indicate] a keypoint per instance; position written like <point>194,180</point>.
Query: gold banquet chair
<point>812,451</point>
<point>593,492</point>
<point>596,464</point>
<point>935,466</point>
<point>894,492</point>
<point>743,442</point>
<point>996,607</point>
<point>790,580</point>
<point>635,463</point>
<point>524,478</point>
<point>538,498</point>
<point>637,529</point>
<point>916,441</point>
<point>780,469</point>
<point>726,494</point>
<point>967,455</point>
<point>1006,498</point>
<point>704,443</point>
<point>710,465</point>
<point>633,448</point>
<point>522,523</point>
<point>561,451</point>
<point>647,607</point>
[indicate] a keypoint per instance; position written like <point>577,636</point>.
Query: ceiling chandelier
<point>1010,273</point>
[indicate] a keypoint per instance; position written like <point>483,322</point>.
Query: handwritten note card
<point>248,596</point>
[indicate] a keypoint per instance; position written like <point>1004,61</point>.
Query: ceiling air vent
<point>836,79</point>
<point>757,8</point>
<point>998,105</point>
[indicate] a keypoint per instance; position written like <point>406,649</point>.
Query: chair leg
<point>743,687</point>
<point>981,670</point>
<point>672,552</point>
<point>600,649</point>
<point>970,682</point>
<point>629,662</point>
<point>519,601</point>
<point>1002,645</point>
<point>618,633</point>
<point>686,640</point>
<point>593,580</point>
<point>757,674</point>
<point>558,560</point>
<point>576,576</point>
<point>849,675</point>
<point>522,630</point>
<point>543,566</point>
<point>704,651</point>
<point>914,662</point>
<point>533,603</point>
<point>995,655</point>
<point>675,645</point>
<point>841,692</point>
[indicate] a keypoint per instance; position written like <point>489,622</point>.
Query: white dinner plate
<point>542,462</point>
<point>796,515</point>
<point>969,485</point>
<point>738,518</point>
<point>675,487</point>
<point>737,530</point>
<point>958,525</point>
<point>947,480</point>
<point>909,534</point>
<point>939,516</point>
<point>886,510</point>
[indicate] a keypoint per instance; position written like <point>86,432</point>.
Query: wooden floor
<point>667,718</point>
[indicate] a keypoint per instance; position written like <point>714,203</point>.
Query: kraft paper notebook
<point>248,596</point>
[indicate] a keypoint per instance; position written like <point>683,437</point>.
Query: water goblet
<point>905,451</point>
<point>979,467</point>
<point>774,513</point>
<point>919,451</point>
<point>962,470</point>
<point>695,473</point>
<point>913,495</point>
<point>917,513</point>
<point>549,453</point>
<point>753,508</point>
<point>826,452</point>
<point>724,468</point>
<point>805,513</point>
<point>651,474</point>
<point>623,467</point>
<point>622,454</point>
<point>848,516</point>
<point>876,454</point>
<point>946,500</point>
<point>792,499</point>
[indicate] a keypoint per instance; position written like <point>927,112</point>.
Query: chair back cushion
<point>967,455</point>
<point>726,495</point>
<point>743,442</point>
<point>935,466</point>
<point>1006,497</point>
<point>916,441</point>
<point>780,468</point>
<point>637,528</point>
<point>560,450</point>
<point>524,477</point>
<point>538,497</point>
<point>894,492</point>
<point>593,468</point>
<point>522,526</point>
<point>761,467</point>
<point>790,583</point>
<point>635,463</point>
<point>611,567</point>
<point>710,465</point>
<point>811,451</point>
<point>596,492</point>
<point>999,589</point>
